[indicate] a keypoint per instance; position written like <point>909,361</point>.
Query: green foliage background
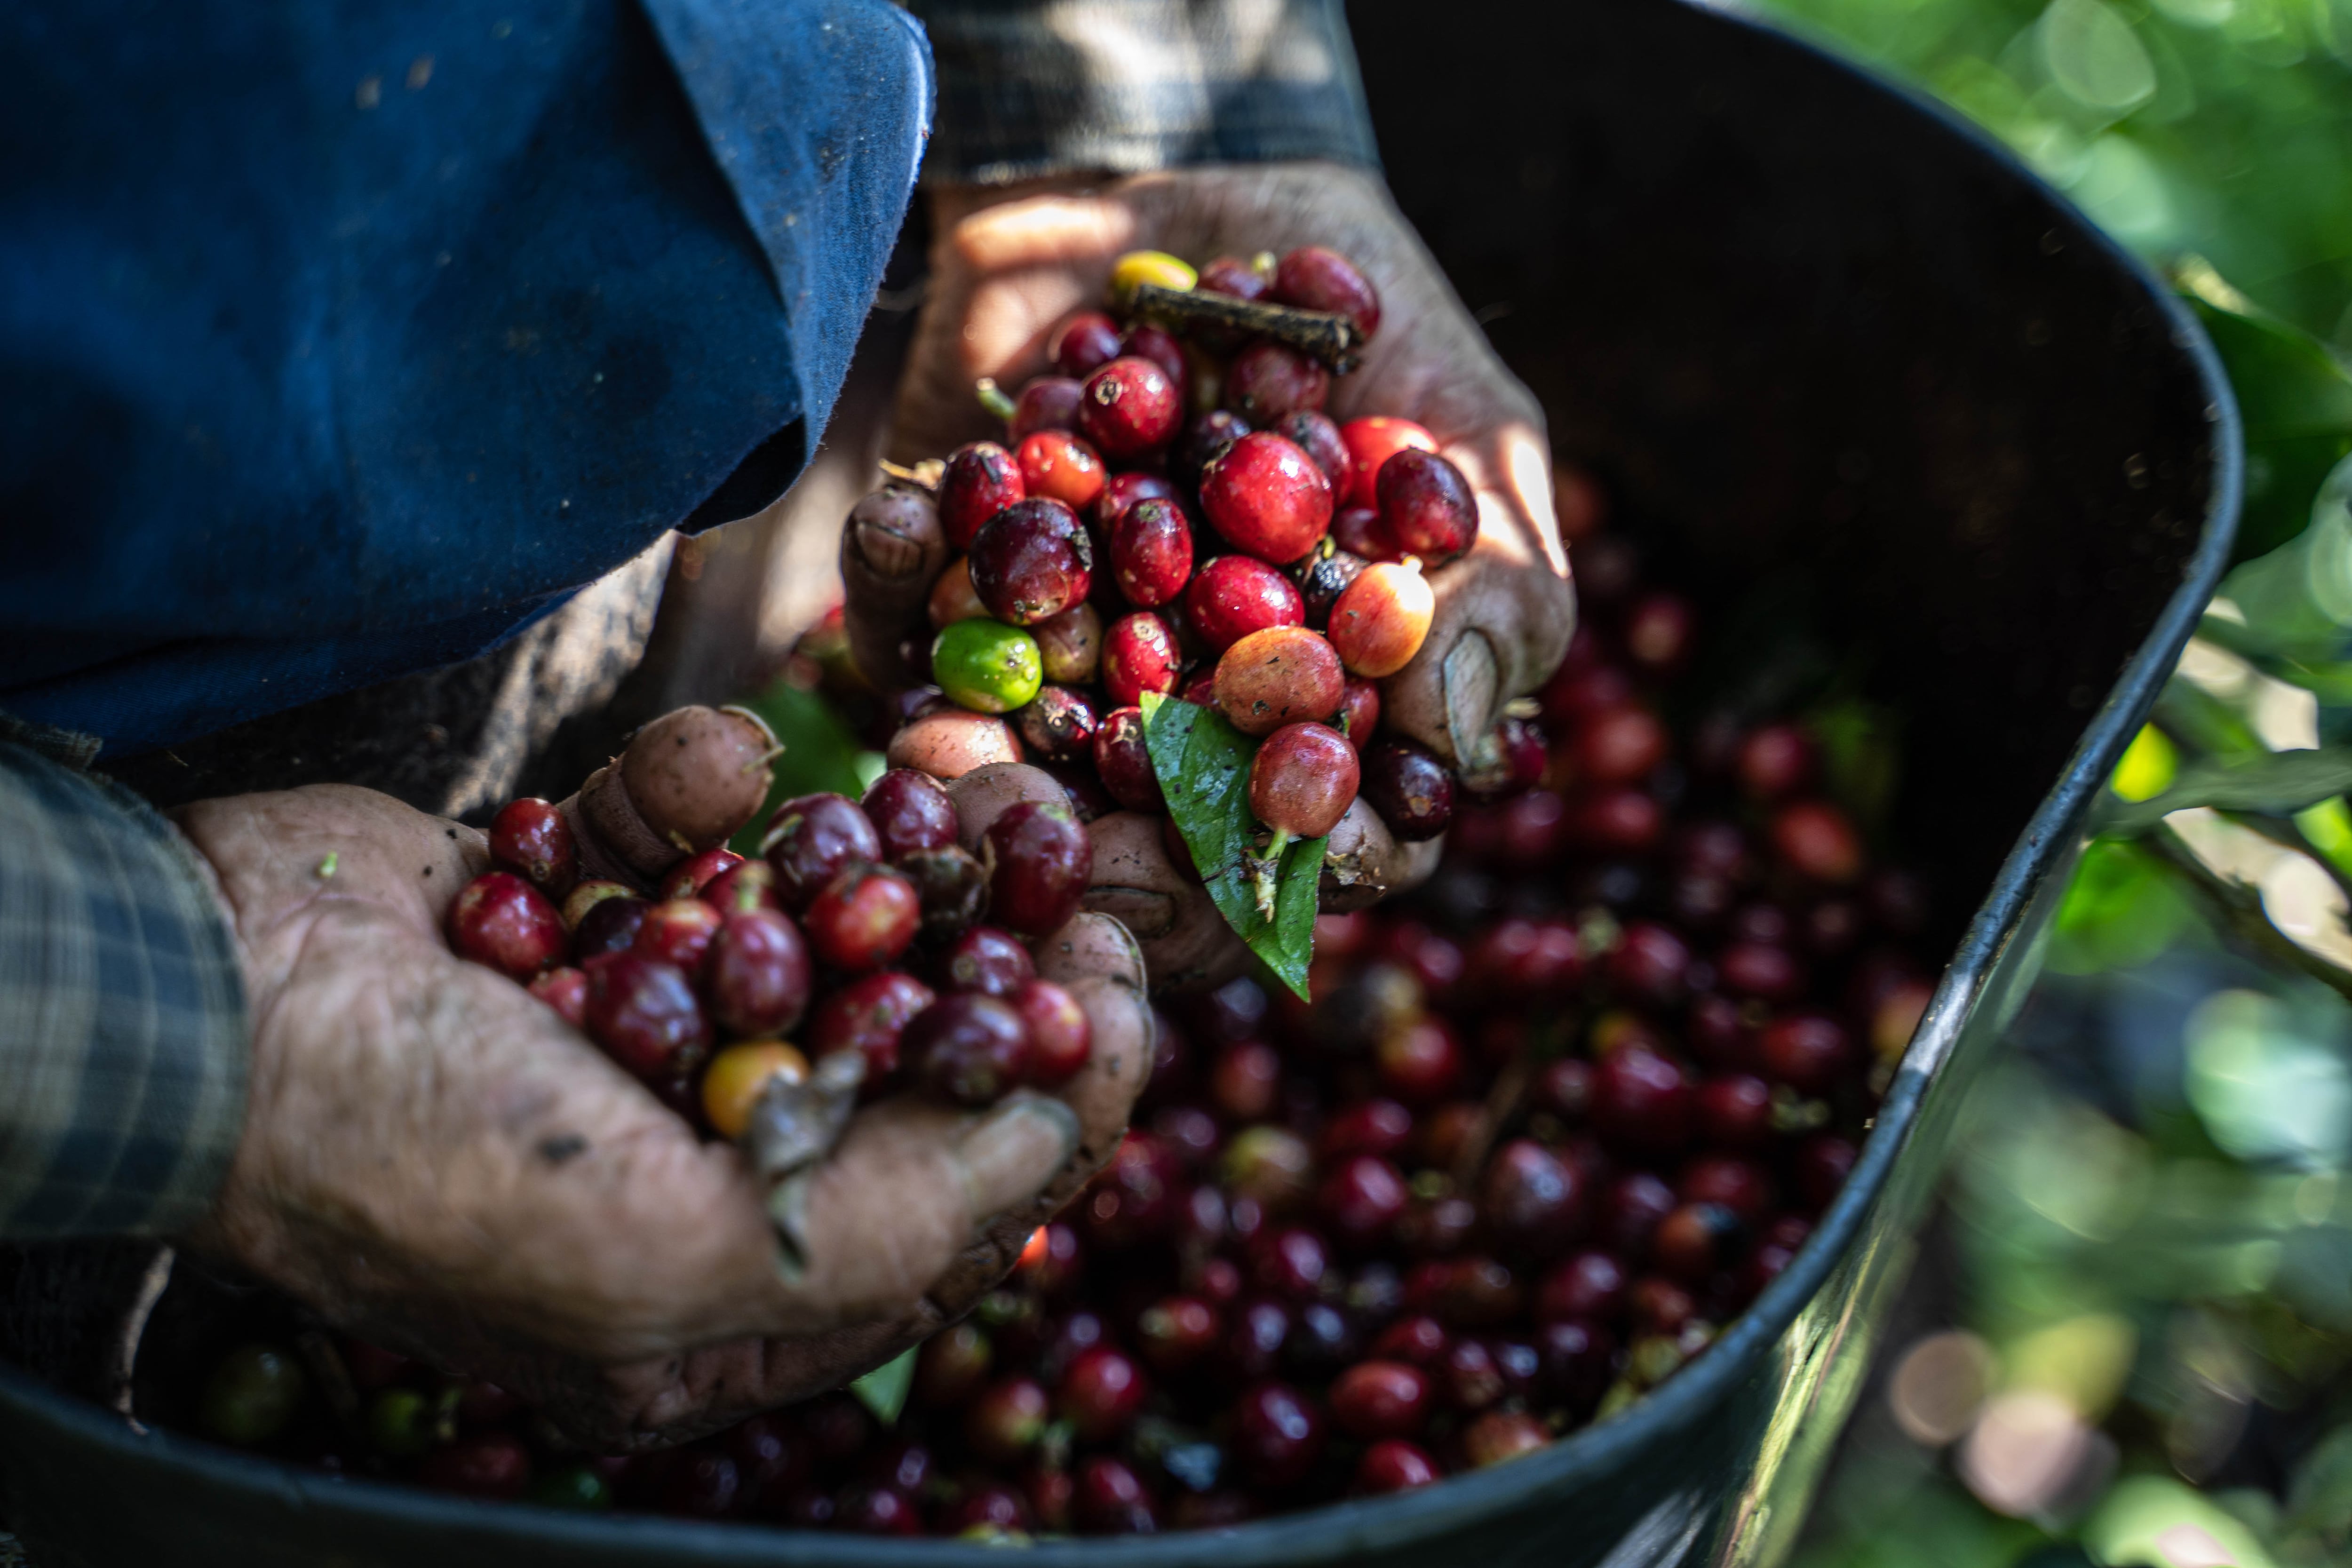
<point>2151,1221</point>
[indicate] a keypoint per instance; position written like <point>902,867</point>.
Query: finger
<point>987,793</point>
<point>687,782</point>
<point>949,742</point>
<point>1502,624</point>
<point>1186,942</point>
<point>891,548</point>
<point>1364,862</point>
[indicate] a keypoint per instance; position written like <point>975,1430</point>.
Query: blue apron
<point>340,340</point>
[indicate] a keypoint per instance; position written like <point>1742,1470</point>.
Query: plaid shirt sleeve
<point>122,1025</point>
<point>1042,87</point>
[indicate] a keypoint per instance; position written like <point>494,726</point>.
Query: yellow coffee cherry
<point>731,1085</point>
<point>1149,267</point>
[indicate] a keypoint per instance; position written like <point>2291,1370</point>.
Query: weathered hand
<point>434,1159</point>
<point>1010,264</point>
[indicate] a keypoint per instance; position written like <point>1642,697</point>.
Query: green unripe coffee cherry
<point>402,1422</point>
<point>574,1487</point>
<point>253,1394</point>
<point>987,665</point>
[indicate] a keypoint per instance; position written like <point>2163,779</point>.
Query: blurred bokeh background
<point>2132,1340</point>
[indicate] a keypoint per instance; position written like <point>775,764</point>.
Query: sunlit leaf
<point>2277,783</point>
<point>884,1390</point>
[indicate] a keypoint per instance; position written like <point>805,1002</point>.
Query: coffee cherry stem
<point>992,398</point>
<point>1266,872</point>
<point>1320,334</point>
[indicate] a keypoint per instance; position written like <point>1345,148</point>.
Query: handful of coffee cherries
<point>694,986</point>
<point>1172,518</point>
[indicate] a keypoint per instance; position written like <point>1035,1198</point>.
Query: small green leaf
<point>1202,764</point>
<point>884,1390</point>
<point>2278,784</point>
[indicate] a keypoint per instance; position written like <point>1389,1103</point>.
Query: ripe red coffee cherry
<point>609,925</point>
<point>1245,1081</point>
<point>967,1047</point>
<point>989,961</point>
<point>1774,760</point>
<point>1394,1466</point>
<point>1619,746</point>
<point>1426,506</point>
<point>1807,1051</point>
<point>1591,1285</point>
<point>1203,442</point>
<point>1364,1195</point>
<point>1043,863</point>
<point>1083,342</point>
<point>1380,620</point>
<point>1418,1340</point>
<point>1047,403</point>
<point>952,597</point>
<point>1267,498</point>
<point>909,811</point>
<point>1500,1436</point>
<point>503,922</point>
<point>1122,493</point>
<point>1233,596</point>
<point>1359,711</point>
<point>1524,958</point>
<point>1533,1205</point>
<point>1640,1103</point>
<point>1059,724</point>
<point>1031,562</point>
<point>1315,277</point>
<point>1303,780</point>
<point>1696,1241</point>
<point>1766,972</point>
<point>1574,1360</point>
<point>1421,1062</point>
<point>978,481</point>
<point>811,839</point>
<point>1139,655</point>
<point>1123,761</point>
<point>1148,340</point>
<point>1817,841</point>
<point>757,974</point>
<point>645,1015</point>
<point>680,929</point>
<point>1412,790</point>
<point>1743,1186</point>
<point>533,839</point>
<point>695,873</point>
<point>1658,631</point>
<point>1007,1420</point>
<point>1061,1040</point>
<point>1100,1392</point>
<point>492,1465</point>
<point>1313,434</point>
<point>1374,1127</point>
<point>1107,1497</point>
<point>1177,1333</point>
<point>1356,531</point>
<point>865,917</point>
<point>1735,1111</point>
<point>1128,407</point>
<point>952,885</point>
<point>1375,1399</point>
<point>1282,674</point>
<point>1277,1434</point>
<point>1150,549</point>
<point>1059,465</point>
<point>1619,822</point>
<point>867,1015</point>
<point>1266,381</point>
<point>1649,965</point>
<point>1630,1211</point>
<point>565,990</point>
<point>1371,442</point>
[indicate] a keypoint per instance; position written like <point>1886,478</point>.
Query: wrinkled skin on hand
<point>1009,264</point>
<point>436,1160</point>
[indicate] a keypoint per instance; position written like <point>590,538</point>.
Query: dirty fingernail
<point>1145,914</point>
<point>1473,686</point>
<point>1016,1150</point>
<point>887,553</point>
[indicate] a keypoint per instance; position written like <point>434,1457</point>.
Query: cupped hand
<point>1010,264</point>
<point>433,1158</point>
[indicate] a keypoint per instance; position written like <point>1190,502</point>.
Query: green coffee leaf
<point>1202,764</point>
<point>2276,784</point>
<point>884,1390</point>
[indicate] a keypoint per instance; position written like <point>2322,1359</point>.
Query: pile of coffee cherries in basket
<point>1552,1120</point>
<point>858,932</point>
<point>1175,515</point>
